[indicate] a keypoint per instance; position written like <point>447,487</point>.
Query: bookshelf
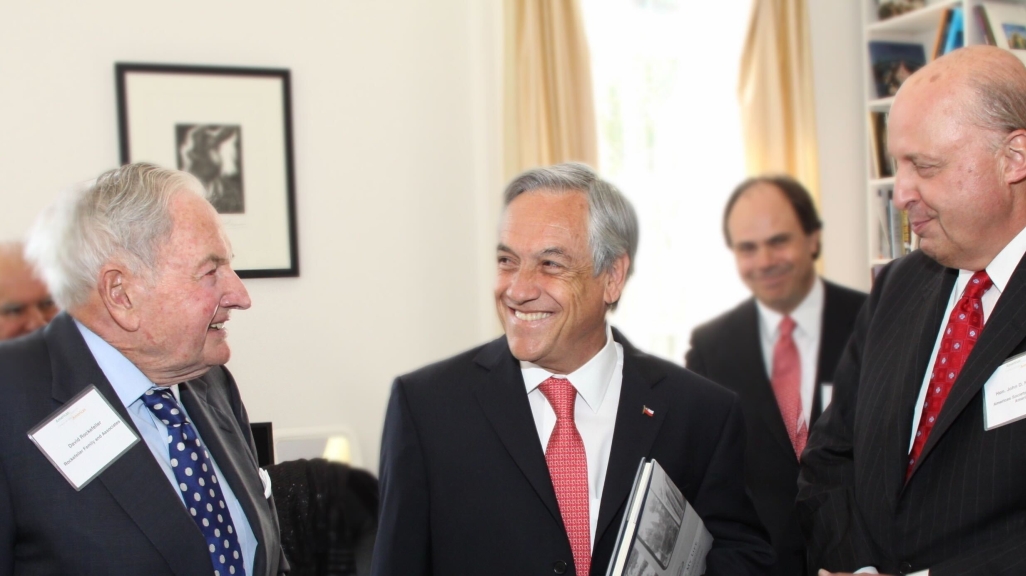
<point>922,26</point>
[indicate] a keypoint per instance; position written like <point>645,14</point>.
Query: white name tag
<point>84,437</point>
<point>1004,395</point>
<point>826,394</point>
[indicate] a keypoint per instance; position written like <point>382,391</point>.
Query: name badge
<point>826,394</point>
<point>83,438</point>
<point>1004,395</point>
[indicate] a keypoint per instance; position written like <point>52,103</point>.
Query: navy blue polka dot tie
<point>196,479</point>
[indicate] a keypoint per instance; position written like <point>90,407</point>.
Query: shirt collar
<point>806,316</point>
<point>1001,267</point>
<point>128,381</point>
<point>590,380</point>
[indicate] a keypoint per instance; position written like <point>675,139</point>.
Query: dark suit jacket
<point>728,351</point>
<point>129,519</point>
<point>963,511</point>
<point>465,488</point>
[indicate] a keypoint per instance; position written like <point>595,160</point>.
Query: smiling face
<point>775,257</point>
<point>551,304</point>
<point>950,177</point>
<point>182,308</point>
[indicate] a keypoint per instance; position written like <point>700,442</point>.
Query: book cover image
<point>1016,35</point>
<point>660,534</point>
<point>893,63</point>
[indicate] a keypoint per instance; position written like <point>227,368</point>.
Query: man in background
<point>778,349</point>
<point>918,465</point>
<point>517,457</point>
<point>124,444</point>
<point>25,303</point>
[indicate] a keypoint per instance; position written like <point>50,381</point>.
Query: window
<point>665,82</point>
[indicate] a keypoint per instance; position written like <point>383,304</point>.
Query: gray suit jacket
<point>128,520</point>
<point>963,511</point>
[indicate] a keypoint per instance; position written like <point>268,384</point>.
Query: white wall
<point>395,115</point>
<point>840,125</point>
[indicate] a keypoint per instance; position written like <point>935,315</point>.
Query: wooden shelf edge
<point>915,20</point>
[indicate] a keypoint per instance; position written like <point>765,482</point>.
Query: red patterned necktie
<point>787,385</point>
<point>964,327</point>
<point>568,467</point>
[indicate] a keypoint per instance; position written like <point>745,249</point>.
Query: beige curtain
<point>549,111</point>
<point>776,93</point>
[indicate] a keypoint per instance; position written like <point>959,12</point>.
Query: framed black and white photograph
<point>232,129</point>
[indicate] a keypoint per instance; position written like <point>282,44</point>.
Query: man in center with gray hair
<point>517,457</point>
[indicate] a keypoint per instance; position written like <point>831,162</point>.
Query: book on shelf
<point>660,534</point>
<point>894,234</point>
<point>893,63</point>
<point>883,164</point>
<point>955,32</point>
<point>1003,25</point>
<point>890,8</point>
<point>882,208</point>
<point>950,32</point>
<point>940,40</point>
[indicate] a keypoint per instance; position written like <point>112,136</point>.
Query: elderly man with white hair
<point>124,444</point>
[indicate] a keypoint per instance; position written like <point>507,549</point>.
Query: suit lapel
<point>231,455</point>
<point>926,309</point>
<point>503,399</point>
<point>634,432</point>
<point>1002,333</point>
<point>135,480</point>
<point>832,339</point>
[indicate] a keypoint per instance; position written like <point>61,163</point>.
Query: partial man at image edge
<point>902,475</point>
<point>517,457</point>
<point>25,302</point>
<point>142,268</point>
<point>771,226</point>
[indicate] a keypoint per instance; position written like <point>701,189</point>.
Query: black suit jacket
<point>465,488</point>
<point>129,519</point>
<point>728,351</point>
<point>963,511</point>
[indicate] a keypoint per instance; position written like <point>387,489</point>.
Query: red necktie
<point>568,467</point>
<point>787,385</point>
<point>964,327</point>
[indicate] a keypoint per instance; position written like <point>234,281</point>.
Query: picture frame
<point>1004,26</point>
<point>893,63</point>
<point>231,128</point>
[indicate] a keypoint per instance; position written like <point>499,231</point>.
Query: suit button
<point>559,567</point>
<point>905,568</point>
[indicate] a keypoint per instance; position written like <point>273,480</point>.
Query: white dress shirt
<point>808,319</point>
<point>598,384</point>
<point>130,384</point>
<point>1000,271</point>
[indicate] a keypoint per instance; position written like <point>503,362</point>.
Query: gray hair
<point>1000,90</point>
<point>122,214</point>
<point>612,222</point>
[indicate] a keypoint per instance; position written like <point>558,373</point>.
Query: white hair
<point>122,215</point>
